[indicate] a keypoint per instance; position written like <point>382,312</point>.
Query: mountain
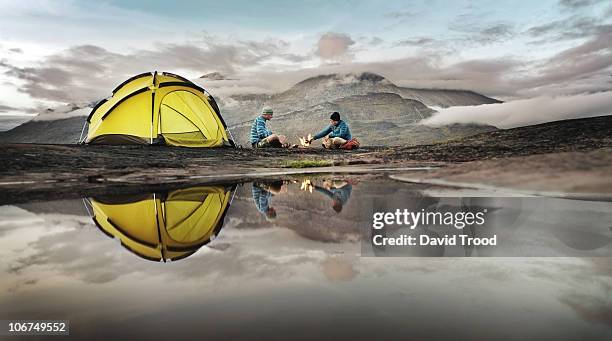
<point>327,88</point>
<point>8,122</point>
<point>62,131</point>
<point>216,76</point>
<point>378,111</point>
<point>61,125</point>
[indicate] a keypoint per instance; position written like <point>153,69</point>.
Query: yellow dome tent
<point>158,108</point>
<point>164,226</point>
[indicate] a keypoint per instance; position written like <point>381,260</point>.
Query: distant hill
<point>8,122</point>
<point>216,76</point>
<point>379,112</point>
<point>572,135</point>
<point>62,131</point>
<point>326,88</point>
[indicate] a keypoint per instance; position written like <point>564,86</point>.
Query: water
<point>305,268</point>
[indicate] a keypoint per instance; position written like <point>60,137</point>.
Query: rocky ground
<point>571,152</point>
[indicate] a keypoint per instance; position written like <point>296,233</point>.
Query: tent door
<point>175,120</point>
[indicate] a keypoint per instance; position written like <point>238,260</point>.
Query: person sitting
<point>261,136</point>
<point>336,134</point>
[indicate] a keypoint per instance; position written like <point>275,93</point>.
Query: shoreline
<point>571,156</point>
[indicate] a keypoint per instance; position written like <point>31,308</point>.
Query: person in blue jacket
<point>336,134</point>
<point>261,136</point>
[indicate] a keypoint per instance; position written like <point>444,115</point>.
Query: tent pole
<point>153,104</point>
<point>85,202</point>
<point>152,112</point>
<point>82,131</point>
<point>230,134</point>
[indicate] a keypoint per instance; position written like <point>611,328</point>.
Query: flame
<point>306,186</point>
<point>305,141</point>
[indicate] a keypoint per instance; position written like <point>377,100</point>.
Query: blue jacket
<point>261,198</point>
<point>342,194</point>
<point>259,130</point>
<point>340,130</point>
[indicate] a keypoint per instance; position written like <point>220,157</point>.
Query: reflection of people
<point>261,136</point>
<point>262,194</point>
<point>338,191</point>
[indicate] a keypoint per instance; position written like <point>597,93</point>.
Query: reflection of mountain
<point>164,226</point>
<point>379,112</point>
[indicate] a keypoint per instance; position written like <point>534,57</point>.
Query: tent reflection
<point>164,226</point>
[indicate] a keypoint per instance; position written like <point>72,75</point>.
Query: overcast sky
<point>70,51</point>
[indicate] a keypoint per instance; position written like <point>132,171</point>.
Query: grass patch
<point>305,163</point>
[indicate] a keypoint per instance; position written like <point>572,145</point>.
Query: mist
<point>527,111</point>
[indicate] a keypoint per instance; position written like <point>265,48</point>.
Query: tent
<point>164,226</point>
<point>158,108</point>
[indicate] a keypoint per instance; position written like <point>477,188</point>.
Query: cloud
<point>376,41</point>
<point>573,27</point>
<point>494,33</point>
<point>88,72</point>
<point>585,67</point>
<point>399,18</point>
<point>399,14</point>
<point>582,68</point>
<point>473,29</point>
<point>7,108</point>
<point>334,45</point>
<point>85,73</point>
<point>527,111</point>
<point>422,41</point>
<point>577,4</point>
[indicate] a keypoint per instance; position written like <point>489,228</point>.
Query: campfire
<point>306,186</point>
<point>305,141</point>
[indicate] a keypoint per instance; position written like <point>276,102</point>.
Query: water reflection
<point>163,226</point>
<point>269,278</point>
<point>262,194</point>
<point>175,224</point>
<point>339,191</point>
